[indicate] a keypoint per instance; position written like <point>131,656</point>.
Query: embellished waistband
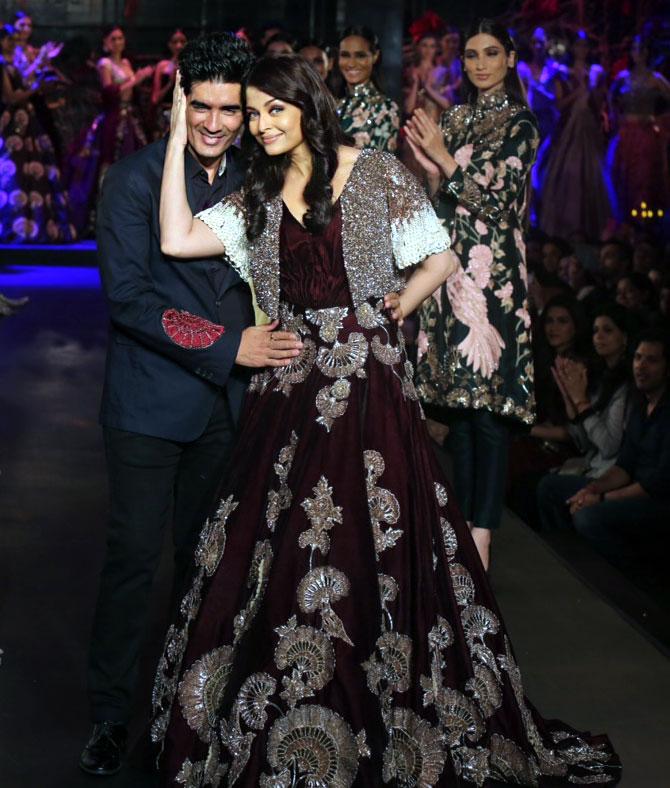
<point>331,320</point>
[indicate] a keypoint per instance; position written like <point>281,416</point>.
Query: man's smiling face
<point>213,118</point>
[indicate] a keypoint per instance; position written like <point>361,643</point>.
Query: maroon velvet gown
<point>340,629</point>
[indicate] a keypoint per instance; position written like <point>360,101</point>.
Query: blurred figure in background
<point>163,84</point>
<point>33,202</point>
<point>637,159</point>
<point>114,133</point>
<point>315,53</point>
<point>575,193</point>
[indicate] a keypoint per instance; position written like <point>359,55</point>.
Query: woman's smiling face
<point>276,124</point>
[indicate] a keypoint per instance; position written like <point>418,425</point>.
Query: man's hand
<point>262,346</point>
<point>583,499</point>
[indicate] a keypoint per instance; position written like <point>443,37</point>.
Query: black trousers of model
<point>153,483</point>
<point>478,442</point>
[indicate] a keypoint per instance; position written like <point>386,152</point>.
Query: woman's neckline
<point>337,200</point>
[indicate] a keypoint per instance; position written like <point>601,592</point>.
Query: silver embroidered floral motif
<point>331,402</point>
<point>280,499</point>
<point>213,537</point>
<point>318,590</point>
<point>441,494</point>
<point>472,764</point>
<point>486,689</point>
<point>448,538</point>
<point>298,370</point>
<point>382,504</point>
<point>253,698</point>
<point>385,353</point>
<point>322,514</point>
<point>201,690</point>
<point>310,656</point>
<point>369,316</point>
<point>415,755</point>
<point>328,320</point>
<point>344,358</point>
<point>257,581</point>
<point>478,622</point>
<point>463,585</point>
<point>314,745</point>
<point>290,321</point>
<point>391,663</point>
<point>458,716</point>
<point>508,762</point>
<point>259,382</point>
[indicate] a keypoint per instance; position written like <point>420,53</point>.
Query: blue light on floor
<point>31,277</point>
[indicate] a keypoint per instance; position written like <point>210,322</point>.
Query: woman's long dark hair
<point>292,79</point>
<point>513,86</point>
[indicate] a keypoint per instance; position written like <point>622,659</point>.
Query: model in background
<point>366,114</point>
<point>163,85</point>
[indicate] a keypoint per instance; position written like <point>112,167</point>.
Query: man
<point>630,502</point>
<point>181,342</point>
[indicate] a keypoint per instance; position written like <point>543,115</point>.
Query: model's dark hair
<point>292,79</point>
<point>373,42</point>
<point>513,86</point>
<point>6,31</point>
<point>215,57</point>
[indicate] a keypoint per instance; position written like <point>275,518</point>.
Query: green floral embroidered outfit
<point>494,142</point>
<point>371,118</point>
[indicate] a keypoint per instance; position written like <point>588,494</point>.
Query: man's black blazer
<point>165,361</point>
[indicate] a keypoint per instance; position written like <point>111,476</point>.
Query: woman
<point>537,76</point>
<point>33,202</point>
<point>163,85</point>
<point>478,164</point>
<point>636,293</point>
<point>637,159</point>
<point>576,199</point>
<point>562,334</point>
<point>596,404</point>
<point>366,114</point>
<point>424,80</point>
<point>114,133</point>
<point>27,58</point>
<point>297,646</point>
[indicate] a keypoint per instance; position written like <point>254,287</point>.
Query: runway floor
<point>586,657</point>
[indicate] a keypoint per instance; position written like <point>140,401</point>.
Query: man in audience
<point>630,503</point>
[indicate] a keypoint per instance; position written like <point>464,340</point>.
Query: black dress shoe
<point>103,755</point>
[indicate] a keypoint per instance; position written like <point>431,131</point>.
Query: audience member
<point>636,293</point>
<point>596,403</point>
<point>627,508</point>
<point>280,44</point>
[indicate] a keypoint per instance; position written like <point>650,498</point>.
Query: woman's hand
<point>393,303</point>
<point>427,135</point>
<point>143,73</point>
<point>178,134</point>
<point>574,379</point>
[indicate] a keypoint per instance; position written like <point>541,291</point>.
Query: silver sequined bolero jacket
<point>388,224</point>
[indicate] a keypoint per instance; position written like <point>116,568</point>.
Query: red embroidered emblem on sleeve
<point>190,331</point>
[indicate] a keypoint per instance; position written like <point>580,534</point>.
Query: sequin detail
<point>190,331</point>
<point>226,219</point>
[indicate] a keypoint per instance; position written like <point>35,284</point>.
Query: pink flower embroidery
<point>479,264</point>
<point>514,162</point>
<point>480,227</point>
<point>461,211</point>
<point>421,344</point>
<point>504,293</point>
<point>463,156</point>
<point>523,315</point>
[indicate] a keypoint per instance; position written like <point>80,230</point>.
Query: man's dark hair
<point>215,57</point>
<point>658,336</point>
